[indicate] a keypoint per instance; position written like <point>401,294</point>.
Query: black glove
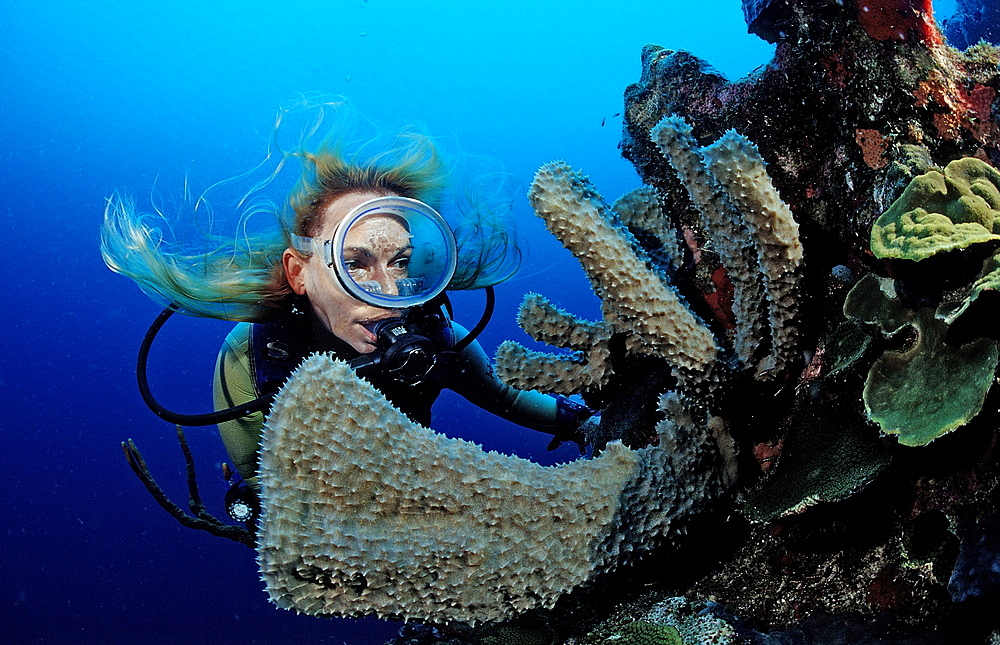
<point>574,422</point>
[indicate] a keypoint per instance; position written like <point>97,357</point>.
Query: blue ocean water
<point>112,95</point>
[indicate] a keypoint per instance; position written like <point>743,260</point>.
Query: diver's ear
<point>295,269</point>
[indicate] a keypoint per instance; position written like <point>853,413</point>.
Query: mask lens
<point>394,252</point>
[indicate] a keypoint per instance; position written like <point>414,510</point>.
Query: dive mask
<point>389,252</point>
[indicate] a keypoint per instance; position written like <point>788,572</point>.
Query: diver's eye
<point>357,265</point>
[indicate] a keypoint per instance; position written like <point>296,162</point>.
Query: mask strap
<point>302,244</point>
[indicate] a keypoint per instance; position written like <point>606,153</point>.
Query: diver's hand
<point>582,436</point>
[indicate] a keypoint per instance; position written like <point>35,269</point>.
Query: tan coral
<point>635,299</point>
<point>560,374</point>
<point>751,229</point>
<point>737,165</point>
<point>366,512</point>
<point>641,209</point>
<point>730,236</point>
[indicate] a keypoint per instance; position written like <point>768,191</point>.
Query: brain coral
<point>941,211</point>
<point>642,632</point>
<point>366,512</point>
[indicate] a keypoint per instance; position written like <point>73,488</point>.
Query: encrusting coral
<point>366,512</point>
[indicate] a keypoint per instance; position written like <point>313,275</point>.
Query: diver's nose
<point>382,276</point>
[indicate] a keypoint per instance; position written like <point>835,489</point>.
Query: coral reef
<point>366,512</point>
<point>883,141</point>
<point>757,266</point>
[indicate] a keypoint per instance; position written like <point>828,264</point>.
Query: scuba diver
<point>359,269</point>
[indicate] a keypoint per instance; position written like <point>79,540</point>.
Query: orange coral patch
<point>873,146</point>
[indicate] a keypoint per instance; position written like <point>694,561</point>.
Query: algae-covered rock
<point>941,211</point>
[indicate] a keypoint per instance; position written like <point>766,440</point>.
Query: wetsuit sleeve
<point>475,379</point>
<point>234,385</point>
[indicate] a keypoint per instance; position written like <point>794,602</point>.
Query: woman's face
<point>375,249</point>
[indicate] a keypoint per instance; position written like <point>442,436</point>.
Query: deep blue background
<point>101,95</point>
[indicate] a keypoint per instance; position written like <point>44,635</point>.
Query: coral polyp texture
<point>941,211</point>
<point>633,295</point>
<point>562,374</point>
<point>753,232</point>
<point>367,512</point>
<point>752,229</point>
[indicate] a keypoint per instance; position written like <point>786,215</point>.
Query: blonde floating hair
<point>241,277</point>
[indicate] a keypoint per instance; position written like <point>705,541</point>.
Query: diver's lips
<point>369,335</point>
<point>369,323</point>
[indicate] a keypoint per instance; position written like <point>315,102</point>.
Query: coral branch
<point>528,370</point>
<point>558,374</point>
<point>738,167</point>
<point>366,512</point>
<point>640,209</point>
<point>634,298</point>
<point>723,223</point>
<point>547,323</point>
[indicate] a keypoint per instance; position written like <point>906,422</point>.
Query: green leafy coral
<point>928,387</point>
<point>941,211</point>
